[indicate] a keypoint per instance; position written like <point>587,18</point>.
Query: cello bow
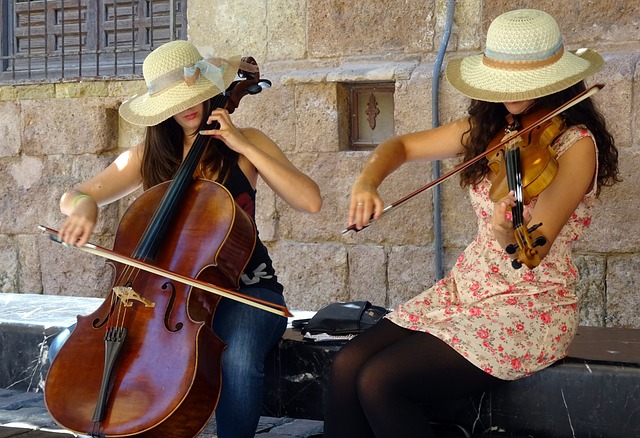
<point>208,287</point>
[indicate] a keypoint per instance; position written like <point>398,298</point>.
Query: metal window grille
<point>54,40</point>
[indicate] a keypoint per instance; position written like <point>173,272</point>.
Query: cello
<point>146,363</point>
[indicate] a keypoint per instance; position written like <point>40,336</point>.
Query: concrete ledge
<point>27,325</point>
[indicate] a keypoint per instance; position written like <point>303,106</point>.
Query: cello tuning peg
<point>254,89</point>
<point>258,87</point>
<point>264,83</point>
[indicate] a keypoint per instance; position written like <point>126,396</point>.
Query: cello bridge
<point>127,295</point>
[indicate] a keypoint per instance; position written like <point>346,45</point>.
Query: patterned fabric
<point>259,271</point>
<point>508,322</point>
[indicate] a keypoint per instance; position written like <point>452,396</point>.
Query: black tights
<point>381,379</point>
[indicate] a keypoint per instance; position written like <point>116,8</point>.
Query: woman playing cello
<point>485,322</point>
<point>181,85</point>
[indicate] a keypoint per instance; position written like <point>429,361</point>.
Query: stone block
<point>68,90</point>
<point>412,101</point>
<point>350,28</point>
<point>623,299</point>
<point>307,268</point>
<point>9,273</point>
<point>607,232</point>
<point>334,175</point>
<point>10,129</point>
<point>368,274</point>
<point>411,271</point>
<point>316,118</point>
<point>272,111</point>
<point>69,126</point>
<point>228,28</point>
<point>8,93</point>
<point>615,100</point>
<point>35,185</point>
<point>35,92</point>
<point>286,30</point>
<point>591,289</point>
<point>30,273</point>
<point>467,32</point>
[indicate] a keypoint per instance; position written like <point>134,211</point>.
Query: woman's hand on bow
<point>365,203</point>
<point>83,215</point>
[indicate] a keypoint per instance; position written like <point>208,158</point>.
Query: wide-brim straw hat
<point>177,78</point>
<point>524,59</point>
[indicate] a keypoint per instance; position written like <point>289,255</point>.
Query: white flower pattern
<point>258,273</point>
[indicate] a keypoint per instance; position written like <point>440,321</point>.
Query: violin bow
<point>565,106</point>
<point>226,293</point>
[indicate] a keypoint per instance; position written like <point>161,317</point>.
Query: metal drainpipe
<point>435,169</point>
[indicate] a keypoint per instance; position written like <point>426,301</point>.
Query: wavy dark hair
<point>488,119</point>
<point>163,150</point>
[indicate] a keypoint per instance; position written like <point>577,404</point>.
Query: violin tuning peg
<point>540,241</point>
<point>516,264</point>
<point>511,249</point>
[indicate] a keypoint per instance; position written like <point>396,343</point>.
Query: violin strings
<point>514,181</point>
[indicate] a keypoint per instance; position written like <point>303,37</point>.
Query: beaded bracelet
<point>77,198</point>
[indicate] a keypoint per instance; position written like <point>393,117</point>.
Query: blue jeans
<point>249,333</point>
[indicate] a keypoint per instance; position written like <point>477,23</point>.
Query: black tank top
<point>259,271</point>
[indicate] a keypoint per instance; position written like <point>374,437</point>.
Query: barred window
<point>53,40</point>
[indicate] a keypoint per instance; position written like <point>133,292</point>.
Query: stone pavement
<point>23,415</point>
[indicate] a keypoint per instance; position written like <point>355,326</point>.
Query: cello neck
<point>150,241</point>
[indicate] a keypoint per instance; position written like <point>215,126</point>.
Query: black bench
<point>595,392</point>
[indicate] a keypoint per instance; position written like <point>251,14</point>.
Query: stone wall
<point>55,135</point>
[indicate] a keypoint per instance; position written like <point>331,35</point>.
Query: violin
<point>146,363</point>
<point>525,164</point>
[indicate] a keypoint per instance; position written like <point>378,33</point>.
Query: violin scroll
<point>527,253</point>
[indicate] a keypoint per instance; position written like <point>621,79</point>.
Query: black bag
<point>343,318</point>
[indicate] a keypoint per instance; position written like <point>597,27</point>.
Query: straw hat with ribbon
<point>524,59</point>
<point>177,78</point>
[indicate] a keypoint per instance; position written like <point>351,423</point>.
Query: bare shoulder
<point>259,139</point>
<point>251,133</point>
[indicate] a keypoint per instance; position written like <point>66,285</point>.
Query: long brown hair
<point>488,119</point>
<point>163,150</point>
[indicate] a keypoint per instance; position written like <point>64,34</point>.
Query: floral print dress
<point>508,322</point>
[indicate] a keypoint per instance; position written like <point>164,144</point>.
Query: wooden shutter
<point>85,38</point>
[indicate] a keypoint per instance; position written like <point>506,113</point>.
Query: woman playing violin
<point>485,322</point>
<point>178,99</point>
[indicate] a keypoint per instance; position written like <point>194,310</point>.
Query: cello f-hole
<point>167,312</point>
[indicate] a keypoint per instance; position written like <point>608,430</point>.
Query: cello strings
<point>129,274</point>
